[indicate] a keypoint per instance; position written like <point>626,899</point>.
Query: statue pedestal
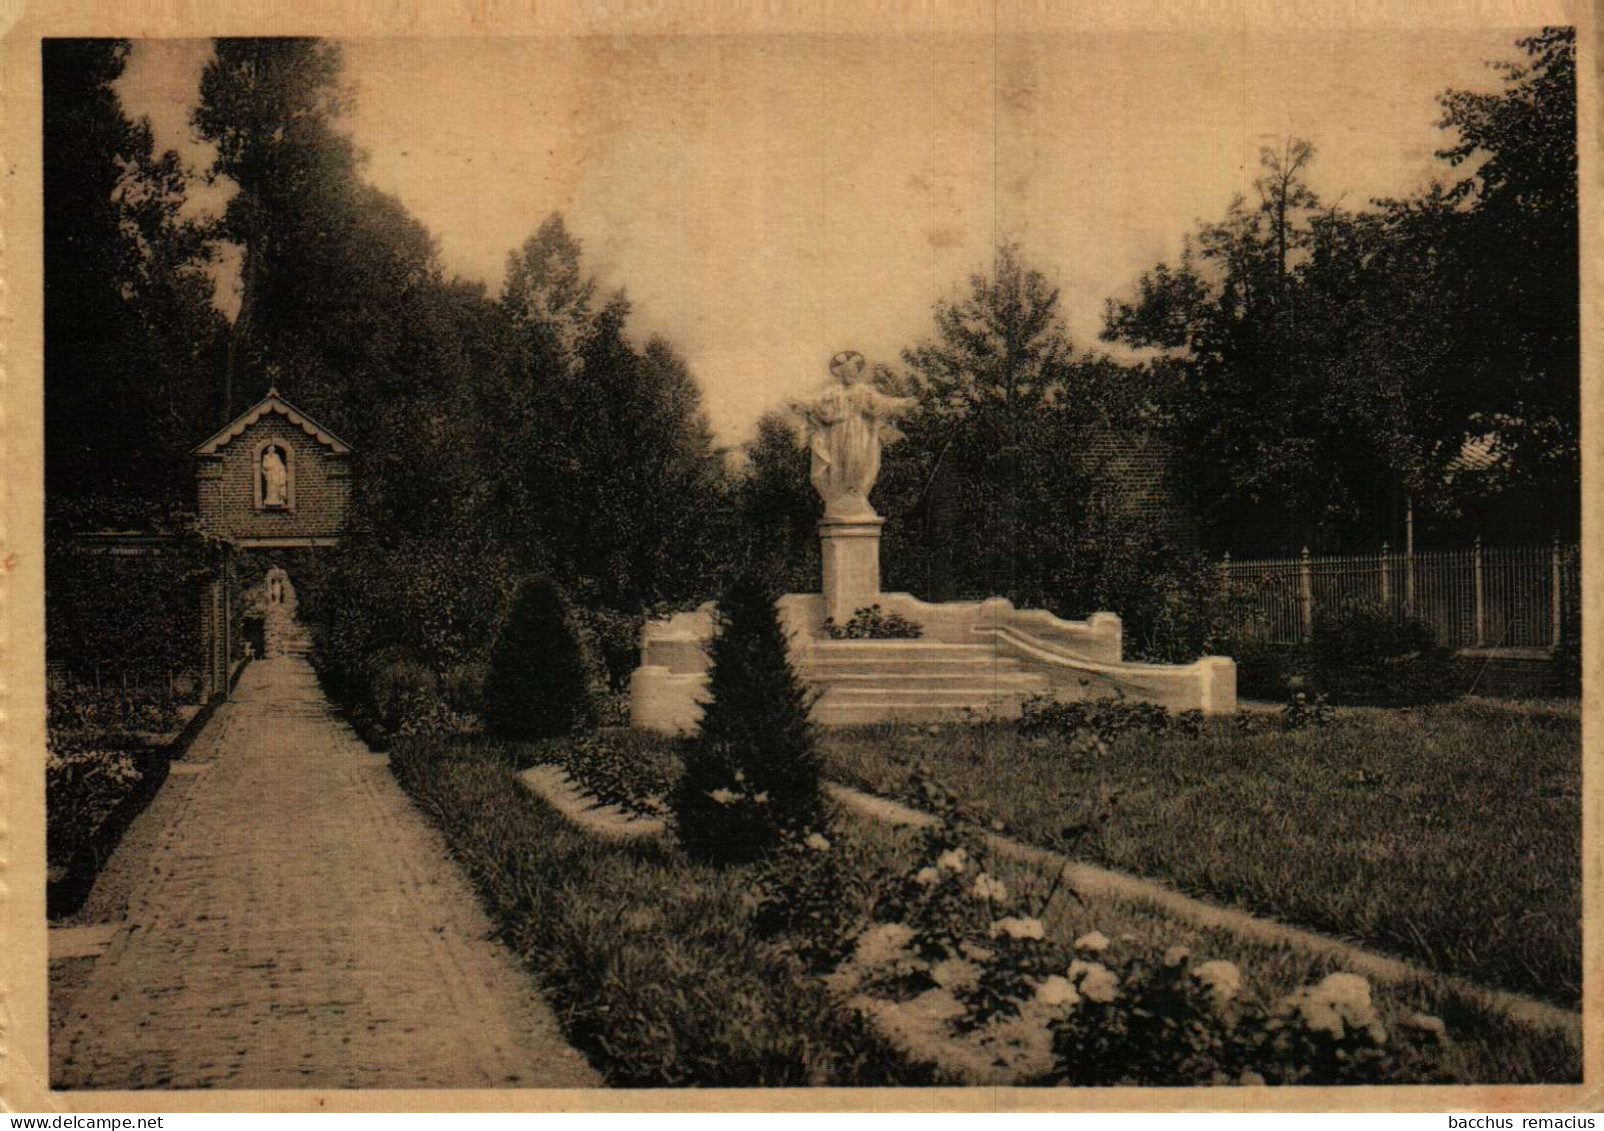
<point>850,548</point>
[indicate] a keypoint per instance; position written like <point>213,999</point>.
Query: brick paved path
<point>292,922</point>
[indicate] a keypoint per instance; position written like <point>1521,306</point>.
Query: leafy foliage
<point>872,624</point>
<point>1178,1022</point>
<point>1362,654</point>
<point>615,770</point>
<point>751,774</point>
<point>649,959</point>
<point>538,686</point>
<point>1318,363</point>
<point>1306,711</point>
<point>131,336</point>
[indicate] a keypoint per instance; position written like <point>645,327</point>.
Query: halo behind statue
<point>847,366</point>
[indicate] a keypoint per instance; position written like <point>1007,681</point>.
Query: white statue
<point>846,420</point>
<point>275,479</point>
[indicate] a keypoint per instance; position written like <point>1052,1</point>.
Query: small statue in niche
<point>847,420</point>
<point>275,479</point>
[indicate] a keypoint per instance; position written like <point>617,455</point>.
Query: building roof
<point>273,403</point>
<point>1478,453</point>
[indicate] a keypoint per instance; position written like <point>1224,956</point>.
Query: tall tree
<point>1305,377</point>
<point>129,326</point>
<point>987,494</point>
<point>618,472</point>
<point>1517,352</point>
<point>333,270</point>
<point>1331,363</point>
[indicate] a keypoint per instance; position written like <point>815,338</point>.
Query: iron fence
<point>1478,597</point>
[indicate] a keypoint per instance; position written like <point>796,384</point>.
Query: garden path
<point>292,921</point>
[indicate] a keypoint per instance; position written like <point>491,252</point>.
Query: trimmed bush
<point>752,774</point>
<point>463,687</point>
<point>1273,672</point>
<point>401,689</point>
<point>1362,655</point>
<point>539,685</point>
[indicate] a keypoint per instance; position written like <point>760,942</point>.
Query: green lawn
<point>653,966</point>
<point>1450,835</point>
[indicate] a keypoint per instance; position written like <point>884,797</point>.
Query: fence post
<point>1481,600</point>
<point>1386,581</point>
<point>1555,581</point>
<point>1409,575</point>
<point>1305,597</point>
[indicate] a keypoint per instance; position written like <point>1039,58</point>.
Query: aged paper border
<point>23,961</point>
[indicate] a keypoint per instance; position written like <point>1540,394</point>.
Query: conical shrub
<point>752,772</point>
<point>537,686</point>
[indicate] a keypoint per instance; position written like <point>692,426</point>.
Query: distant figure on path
<point>846,420</point>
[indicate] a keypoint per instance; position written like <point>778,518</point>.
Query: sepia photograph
<point>927,557</point>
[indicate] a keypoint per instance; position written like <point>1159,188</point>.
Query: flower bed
<point>1449,835</point>
<point>878,956</point>
<point>648,958</point>
<point>631,771</point>
<point>997,975</point>
<point>107,754</point>
<point>562,793</point>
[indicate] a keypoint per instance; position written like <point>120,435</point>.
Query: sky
<point>770,200</point>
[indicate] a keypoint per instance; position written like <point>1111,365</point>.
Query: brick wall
<point>1139,470</point>
<point>226,486</point>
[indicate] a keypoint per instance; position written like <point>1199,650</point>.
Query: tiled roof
<point>1476,454</point>
<point>273,403</point>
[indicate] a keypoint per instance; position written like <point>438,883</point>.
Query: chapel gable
<point>273,477</point>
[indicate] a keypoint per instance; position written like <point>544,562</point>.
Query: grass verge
<point>1451,835</point>
<point>647,958</point>
<point>653,966</point>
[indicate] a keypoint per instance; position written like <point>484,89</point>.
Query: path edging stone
<point>1094,880</point>
<point>553,785</point>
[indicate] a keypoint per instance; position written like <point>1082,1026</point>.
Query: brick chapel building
<point>271,480</point>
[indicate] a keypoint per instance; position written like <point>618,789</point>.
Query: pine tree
<point>538,686</point>
<point>752,773</point>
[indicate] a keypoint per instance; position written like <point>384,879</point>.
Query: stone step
<point>954,696</point>
<point>924,649</point>
<point>975,667</point>
<point>829,713</point>
<point>989,677</point>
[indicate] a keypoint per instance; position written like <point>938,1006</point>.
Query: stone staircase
<point>866,681</point>
<point>283,634</point>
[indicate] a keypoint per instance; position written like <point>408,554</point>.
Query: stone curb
<point>557,789</point>
<point>1089,879</point>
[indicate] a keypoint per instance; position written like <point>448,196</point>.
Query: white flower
<point>1222,980</point>
<point>1176,956</point>
<point>1095,981</point>
<point>1093,941</point>
<point>817,842</point>
<point>740,775</point>
<point>928,876</point>
<point>1056,990</point>
<point>1338,1005</point>
<point>724,796</point>
<point>988,888</point>
<point>1018,928</point>
<point>882,943</point>
<point>761,798</point>
<point>954,860</point>
<point>955,974</point>
<point>1426,1023</point>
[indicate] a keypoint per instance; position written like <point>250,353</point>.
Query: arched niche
<point>286,454</point>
